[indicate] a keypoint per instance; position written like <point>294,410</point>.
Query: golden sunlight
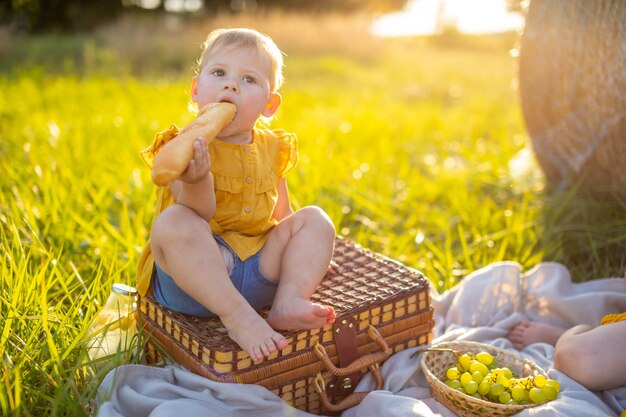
<point>428,17</point>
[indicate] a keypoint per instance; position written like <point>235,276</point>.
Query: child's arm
<point>283,205</point>
<point>194,188</point>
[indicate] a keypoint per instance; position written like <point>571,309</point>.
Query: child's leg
<point>184,248</point>
<point>297,254</point>
<point>528,332</point>
<point>593,356</point>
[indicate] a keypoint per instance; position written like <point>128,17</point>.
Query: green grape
<point>453,383</point>
<point>471,387</point>
<point>478,377</point>
<point>549,392</point>
<point>539,381</point>
<point>554,384</point>
<point>484,387</point>
<point>485,358</point>
<point>536,395</point>
<point>464,362</point>
<point>465,378</point>
<point>504,397</point>
<point>496,389</point>
<point>480,367</point>
<point>519,393</point>
<point>453,373</point>
<point>527,383</point>
<point>503,380</point>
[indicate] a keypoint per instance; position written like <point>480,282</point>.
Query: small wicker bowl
<point>435,364</point>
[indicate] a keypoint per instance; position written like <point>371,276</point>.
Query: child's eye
<point>249,79</point>
<point>218,72</point>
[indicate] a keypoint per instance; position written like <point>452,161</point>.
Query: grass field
<point>415,147</point>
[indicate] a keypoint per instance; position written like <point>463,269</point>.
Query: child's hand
<point>199,166</point>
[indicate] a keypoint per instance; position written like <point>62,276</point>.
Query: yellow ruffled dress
<point>245,179</point>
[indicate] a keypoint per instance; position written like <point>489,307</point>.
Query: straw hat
<point>573,91</point>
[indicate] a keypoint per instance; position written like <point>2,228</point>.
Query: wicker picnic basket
<point>382,308</point>
<point>435,363</point>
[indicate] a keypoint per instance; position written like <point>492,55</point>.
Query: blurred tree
<point>57,15</point>
<point>333,5</point>
<point>83,15</point>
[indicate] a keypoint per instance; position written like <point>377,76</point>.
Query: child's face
<point>240,76</point>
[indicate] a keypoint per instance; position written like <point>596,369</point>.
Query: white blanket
<point>483,308</point>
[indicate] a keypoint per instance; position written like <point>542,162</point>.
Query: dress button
<point>246,149</point>
<point>249,180</point>
<point>247,209</point>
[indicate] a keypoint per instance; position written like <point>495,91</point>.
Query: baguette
<point>173,158</point>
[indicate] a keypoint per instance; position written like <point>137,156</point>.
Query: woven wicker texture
<point>364,286</point>
<point>435,364</point>
<point>291,378</point>
<point>377,289</point>
<point>572,84</point>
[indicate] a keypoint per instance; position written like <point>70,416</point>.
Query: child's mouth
<point>227,100</point>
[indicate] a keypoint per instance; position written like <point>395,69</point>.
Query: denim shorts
<point>246,276</point>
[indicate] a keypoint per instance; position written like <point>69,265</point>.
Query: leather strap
<point>370,361</point>
<point>351,400</point>
<point>344,333</point>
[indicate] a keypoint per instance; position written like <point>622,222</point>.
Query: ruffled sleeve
<point>161,138</point>
<point>613,318</point>
<point>287,153</point>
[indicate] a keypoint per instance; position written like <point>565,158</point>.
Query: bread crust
<point>173,158</point>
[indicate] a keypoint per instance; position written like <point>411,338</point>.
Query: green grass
<point>407,147</point>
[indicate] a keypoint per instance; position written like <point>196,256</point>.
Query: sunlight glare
<point>427,17</point>
<point>483,16</point>
<point>419,18</point>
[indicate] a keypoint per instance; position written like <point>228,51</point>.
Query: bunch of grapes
<point>479,376</point>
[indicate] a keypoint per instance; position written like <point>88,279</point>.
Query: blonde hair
<point>250,38</point>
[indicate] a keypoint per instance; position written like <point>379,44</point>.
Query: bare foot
<point>296,313</point>
<point>528,332</point>
<point>253,334</point>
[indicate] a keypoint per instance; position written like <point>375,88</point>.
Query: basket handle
<point>370,361</point>
<point>360,363</point>
<point>351,400</point>
<point>436,349</point>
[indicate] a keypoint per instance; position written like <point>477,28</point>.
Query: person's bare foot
<point>528,332</point>
<point>296,313</point>
<point>253,334</point>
